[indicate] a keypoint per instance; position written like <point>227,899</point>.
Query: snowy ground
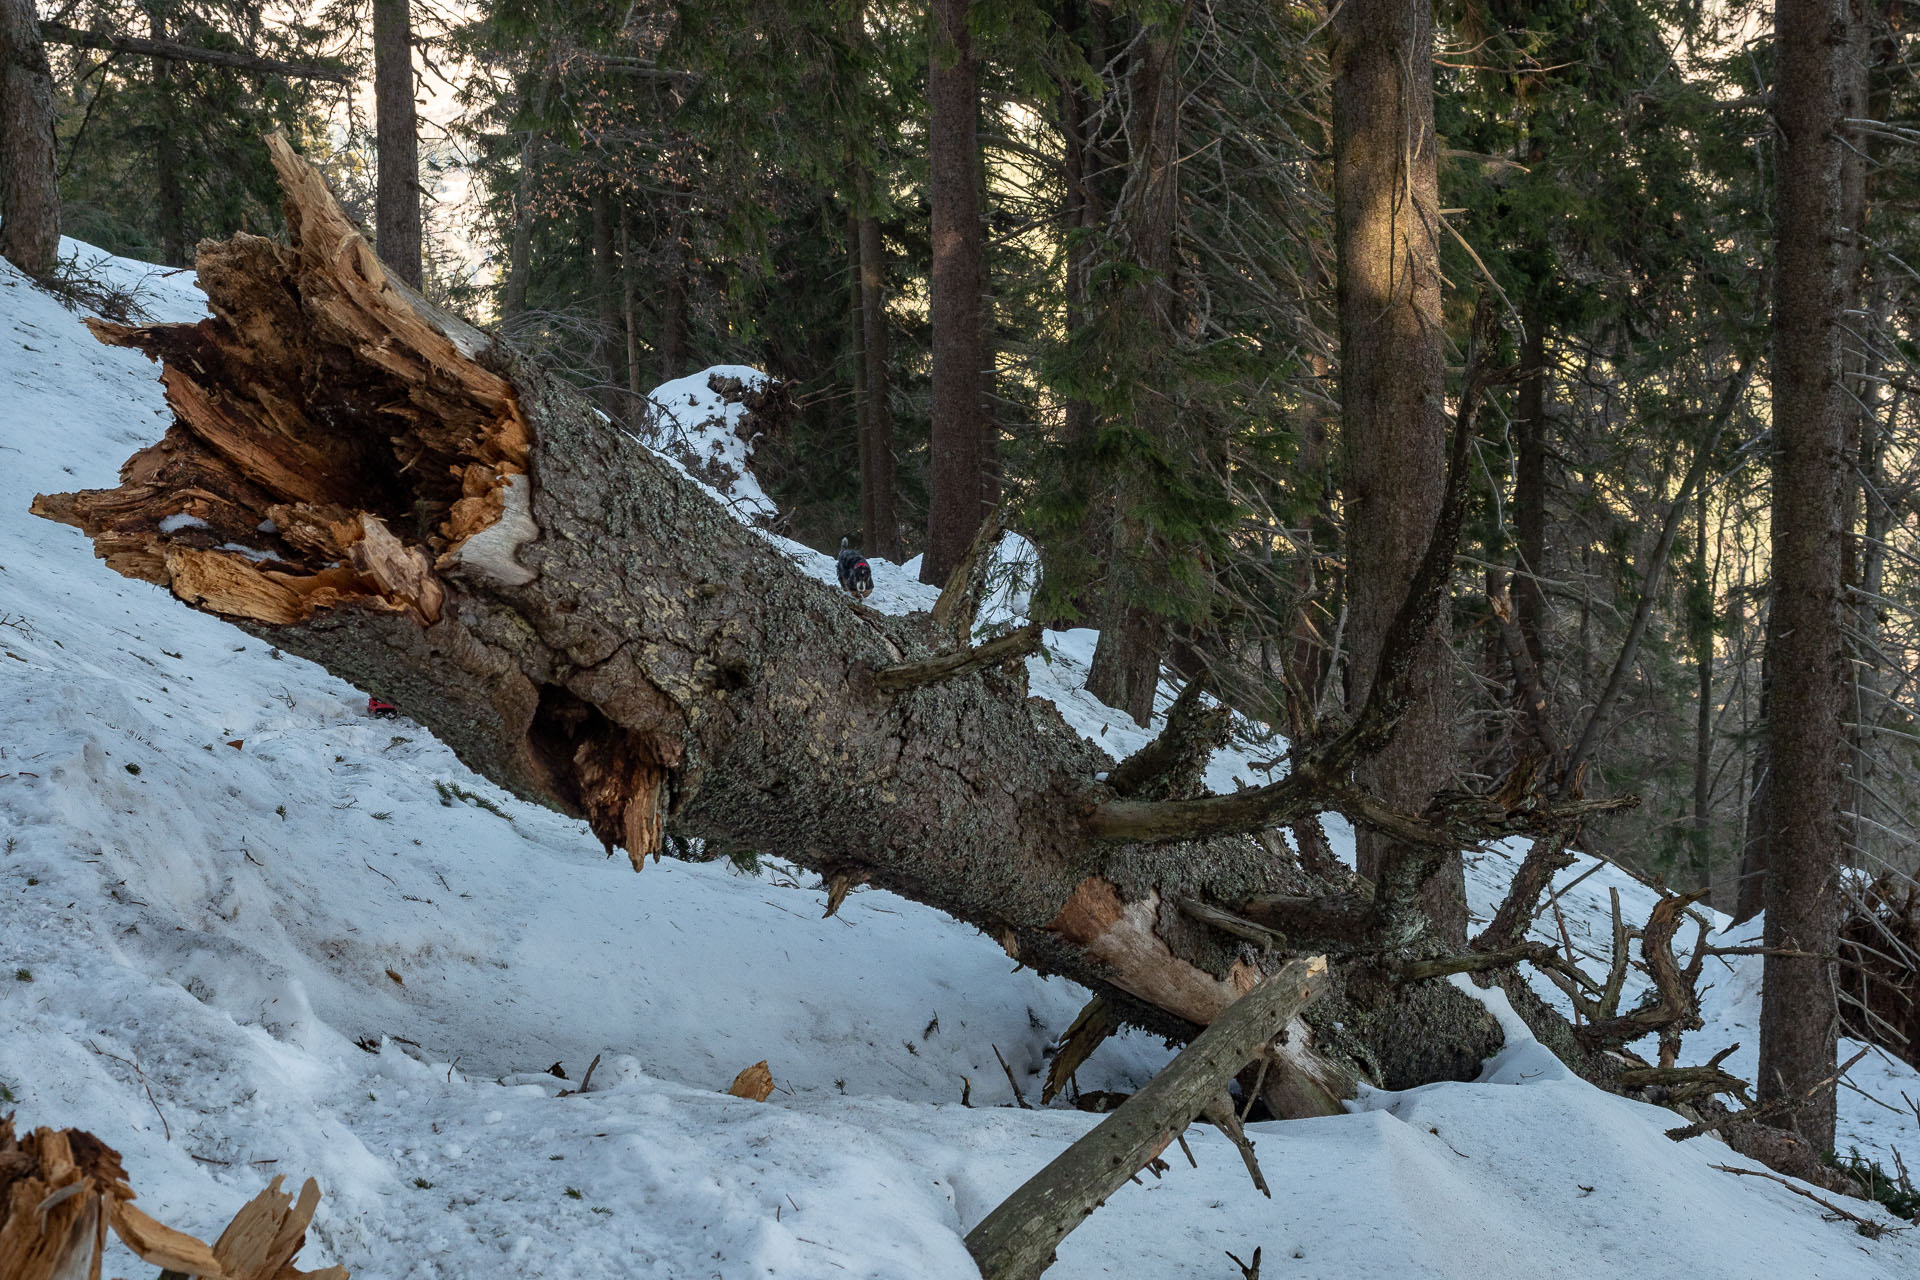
<point>219,879</point>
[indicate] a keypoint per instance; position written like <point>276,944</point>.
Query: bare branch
<point>910,675</point>
<point>252,64</point>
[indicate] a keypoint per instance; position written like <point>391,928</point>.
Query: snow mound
<point>246,930</point>
<point>698,425</point>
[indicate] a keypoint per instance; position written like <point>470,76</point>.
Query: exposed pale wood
<point>1088,1031</point>
<point>755,1083</point>
<point>161,1246</point>
<point>262,1239</point>
<point>1017,1240</point>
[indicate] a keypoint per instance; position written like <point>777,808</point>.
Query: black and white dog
<point>855,576</point>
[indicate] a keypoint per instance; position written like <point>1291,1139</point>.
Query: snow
<point>700,431</point>
<point>219,879</point>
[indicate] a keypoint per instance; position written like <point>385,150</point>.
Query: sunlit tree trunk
<point>959,458</point>
<point>1392,371</point>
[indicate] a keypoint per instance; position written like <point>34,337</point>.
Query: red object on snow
<point>384,710</point>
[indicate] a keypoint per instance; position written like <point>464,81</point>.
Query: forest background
<point>1079,264</point>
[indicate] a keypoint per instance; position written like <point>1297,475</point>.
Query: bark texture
<point>959,446</point>
<point>29,195</point>
<point>1392,379</point>
<point>584,625</point>
<point>396,200</point>
<point>1126,662</point>
<point>166,144</point>
<point>1817,41</point>
<point>880,525</point>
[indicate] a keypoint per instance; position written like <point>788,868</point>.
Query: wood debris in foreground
<point>61,1190</point>
<point>1017,1240</point>
<point>755,1083</point>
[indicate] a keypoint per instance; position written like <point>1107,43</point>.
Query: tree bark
<point>673,311</point>
<point>29,192</point>
<point>1392,376</point>
<point>396,214</point>
<point>881,524</point>
<point>959,444</point>
<point>606,299</point>
<point>166,153</point>
<point>1530,486</point>
<point>1818,43</point>
<point>582,624</point>
<point>1018,1239</point>
<point>1125,672</point>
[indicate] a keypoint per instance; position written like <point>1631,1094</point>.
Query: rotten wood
<point>61,1191</point>
<point>1017,1240</point>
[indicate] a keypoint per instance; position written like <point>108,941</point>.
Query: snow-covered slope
<point>219,881</point>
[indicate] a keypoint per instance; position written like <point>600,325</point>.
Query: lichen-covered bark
<point>582,623</point>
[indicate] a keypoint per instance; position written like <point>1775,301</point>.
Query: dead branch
<point>959,600</point>
<point>1170,767</point>
<point>1865,1226</point>
<point>1766,1112</point>
<point>1017,1240</point>
<point>911,675</point>
<point>1672,1006</point>
<point>1544,860</point>
<point>1089,1030</point>
<point>252,64</point>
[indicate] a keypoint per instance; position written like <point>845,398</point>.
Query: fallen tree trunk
<point>366,481</point>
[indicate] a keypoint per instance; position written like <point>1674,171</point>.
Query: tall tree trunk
<point>1750,884</point>
<point>673,308</point>
<point>29,193</point>
<point>1702,621</point>
<point>881,529</point>
<point>630,322</point>
<point>607,303</point>
<point>862,398</point>
<point>1125,672</point>
<point>396,199</point>
<point>166,158</point>
<point>959,444</point>
<point>1530,485</point>
<point>1392,373</point>
<point>1078,554</point>
<point>1819,42</point>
